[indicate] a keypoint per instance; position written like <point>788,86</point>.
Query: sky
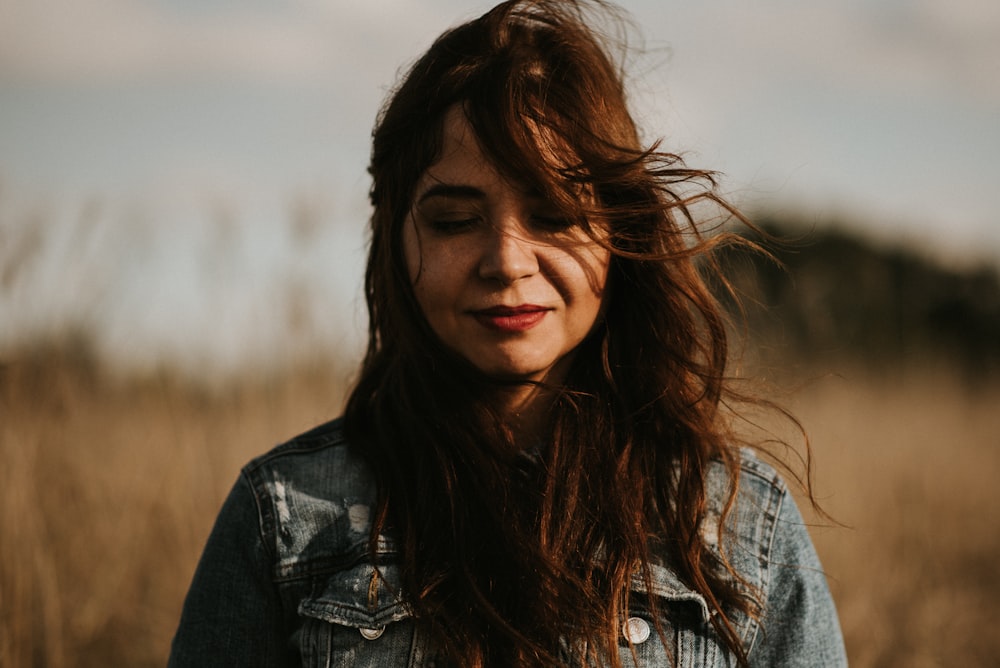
<point>185,178</point>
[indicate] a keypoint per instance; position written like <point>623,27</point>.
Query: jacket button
<point>372,634</point>
<point>635,630</point>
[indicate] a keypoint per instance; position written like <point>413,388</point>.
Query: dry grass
<point>108,491</point>
<point>909,462</point>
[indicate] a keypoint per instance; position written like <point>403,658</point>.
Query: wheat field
<point>108,490</point>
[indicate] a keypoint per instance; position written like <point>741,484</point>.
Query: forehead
<point>463,159</point>
<point>461,153</point>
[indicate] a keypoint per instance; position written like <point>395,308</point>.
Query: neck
<point>526,409</point>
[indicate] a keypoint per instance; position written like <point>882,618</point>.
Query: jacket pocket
<point>358,618</point>
<point>688,638</point>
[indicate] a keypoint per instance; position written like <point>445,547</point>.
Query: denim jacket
<point>286,579</point>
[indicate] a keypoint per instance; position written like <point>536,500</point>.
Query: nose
<point>507,256</point>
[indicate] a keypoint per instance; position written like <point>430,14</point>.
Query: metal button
<point>635,630</point>
<point>372,634</point>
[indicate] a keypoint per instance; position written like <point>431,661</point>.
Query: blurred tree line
<point>829,293</point>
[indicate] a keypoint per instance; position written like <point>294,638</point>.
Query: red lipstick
<point>511,318</point>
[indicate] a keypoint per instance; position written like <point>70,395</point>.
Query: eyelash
<point>551,224</point>
<point>450,226</point>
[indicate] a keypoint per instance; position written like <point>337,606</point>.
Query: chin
<point>526,368</point>
<point>516,373</point>
<point>505,369</point>
<point>513,374</point>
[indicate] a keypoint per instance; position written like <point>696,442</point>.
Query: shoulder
<point>762,511</point>
<point>320,460</point>
<point>323,440</point>
<point>771,548</point>
<point>314,494</point>
<point>767,542</point>
<point>761,494</point>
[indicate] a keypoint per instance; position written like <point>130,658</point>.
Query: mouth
<point>518,318</point>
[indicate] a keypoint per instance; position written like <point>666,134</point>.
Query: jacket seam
<point>771,513</point>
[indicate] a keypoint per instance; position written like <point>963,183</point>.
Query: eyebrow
<point>451,190</point>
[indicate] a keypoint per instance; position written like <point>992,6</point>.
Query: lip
<point>518,318</point>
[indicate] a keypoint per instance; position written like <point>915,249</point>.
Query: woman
<point>533,468</point>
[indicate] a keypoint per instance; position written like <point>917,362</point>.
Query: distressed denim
<point>286,579</point>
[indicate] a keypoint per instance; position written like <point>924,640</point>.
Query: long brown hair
<point>507,554</point>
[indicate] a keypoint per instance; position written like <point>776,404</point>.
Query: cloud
<point>923,48</point>
<point>100,41</point>
<point>115,41</point>
<point>918,46</point>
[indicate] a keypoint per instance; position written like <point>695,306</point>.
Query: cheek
<point>420,272</point>
<point>426,295</point>
<point>582,274</point>
<point>600,267</point>
<point>412,253</point>
<point>431,274</point>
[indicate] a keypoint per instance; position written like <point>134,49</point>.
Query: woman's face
<point>502,278</point>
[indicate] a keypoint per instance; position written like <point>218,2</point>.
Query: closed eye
<point>448,226</point>
<point>553,223</point>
